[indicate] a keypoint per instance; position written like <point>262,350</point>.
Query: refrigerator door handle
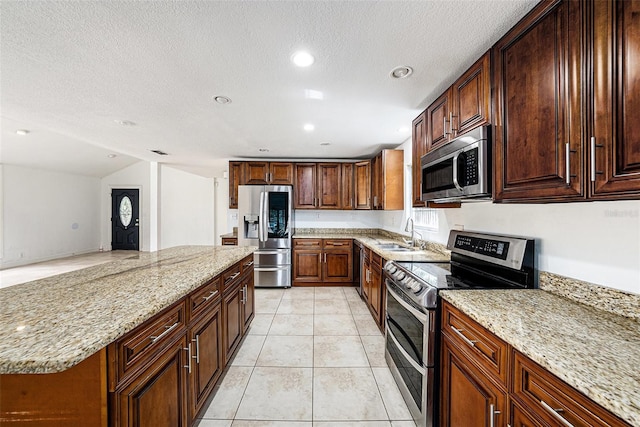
<point>261,228</point>
<point>264,218</point>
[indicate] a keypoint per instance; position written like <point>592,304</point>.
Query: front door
<point>124,219</point>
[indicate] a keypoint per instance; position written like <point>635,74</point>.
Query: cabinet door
<point>256,172</point>
<point>338,266</point>
<point>418,149</point>
<point>305,186</point>
<point>615,150</point>
<point>231,322</point>
<point>468,398</point>
<point>363,185</point>
<point>235,179</point>
<point>376,181</point>
<point>329,181</point>
<point>206,343</point>
<point>158,395</point>
<point>307,265</point>
<point>538,146</point>
<point>347,198</point>
<point>365,273</point>
<point>471,95</point>
<point>438,124</point>
<point>248,306</point>
<point>280,173</point>
<point>375,292</point>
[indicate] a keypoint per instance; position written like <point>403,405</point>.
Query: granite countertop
<point>52,324</point>
<point>229,235</point>
<point>433,253</point>
<point>594,351</point>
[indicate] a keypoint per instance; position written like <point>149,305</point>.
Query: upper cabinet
<point>567,104</point>
<point>347,197</point>
<point>235,179</point>
<point>329,186</point>
<point>320,186</point>
<point>418,149</point>
<point>538,111</point>
<point>614,137</point>
<point>463,107</point>
<point>271,173</point>
<point>305,186</point>
<point>363,184</point>
<point>388,180</point>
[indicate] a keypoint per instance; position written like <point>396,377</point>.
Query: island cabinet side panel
<point>75,397</point>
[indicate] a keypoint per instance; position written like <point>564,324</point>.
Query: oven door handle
<point>405,354</point>
<point>420,316</point>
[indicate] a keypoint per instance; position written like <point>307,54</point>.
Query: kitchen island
<point>63,324</point>
<point>595,352</point>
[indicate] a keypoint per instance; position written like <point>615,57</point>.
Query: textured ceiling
<point>70,69</point>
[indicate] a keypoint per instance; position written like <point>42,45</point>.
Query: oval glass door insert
<point>125,211</point>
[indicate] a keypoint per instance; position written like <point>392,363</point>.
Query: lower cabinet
<point>248,304</point>
<point>157,395</point>
<point>468,397</point>
<point>322,261</point>
<point>373,289</point>
<point>232,321</point>
<point>205,337</point>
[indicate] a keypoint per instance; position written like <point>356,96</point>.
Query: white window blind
<point>426,218</point>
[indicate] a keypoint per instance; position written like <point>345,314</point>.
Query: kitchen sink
<point>393,247</point>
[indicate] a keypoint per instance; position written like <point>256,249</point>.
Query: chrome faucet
<point>411,228</point>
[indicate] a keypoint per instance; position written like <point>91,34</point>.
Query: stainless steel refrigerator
<point>265,219</point>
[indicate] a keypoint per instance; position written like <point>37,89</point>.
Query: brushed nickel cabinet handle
<point>197,356</point>
<point>556,414</point>
<point>168,329</point>
<point>492,415</point>
<point>232,277</point>
<point>444,127</point>
<point>472,343</point>
<point>593,159</point>
<point>188,350</point>
<point>211,295</point>
<point>567,150</point>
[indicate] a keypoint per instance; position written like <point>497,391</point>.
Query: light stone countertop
<point>371,241</point>
<point>52,324</point>
<point>594,351</point>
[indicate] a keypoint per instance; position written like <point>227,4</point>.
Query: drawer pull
<point>211,295</point>
<point>556,414</point>
<point>249,264</point>
<point>197,356</point>
<point>232,277</point>
<point>154,338</point>
<point>472,343</point>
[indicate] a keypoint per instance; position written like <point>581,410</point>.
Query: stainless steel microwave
<point>460,169</point>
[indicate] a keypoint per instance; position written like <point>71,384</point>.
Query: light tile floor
<point>313,357</point>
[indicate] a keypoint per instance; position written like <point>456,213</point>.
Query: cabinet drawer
<point>484,348</point>
<point>231,276</point>
<point>246,264</point>
<point>140,345</point>
<point>338,244</point>
<point>204,297</point>
<point>307,243</point>
<point>376,259</point>
<point>554,401</point>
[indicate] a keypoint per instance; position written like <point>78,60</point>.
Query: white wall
<point>187,209</point>
<point>48,215</point>
<point>137,176</point>
<point>336,219</point>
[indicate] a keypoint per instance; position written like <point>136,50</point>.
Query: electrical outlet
<point>234,216</point>
<point>318,216</point>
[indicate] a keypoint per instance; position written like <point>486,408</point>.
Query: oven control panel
<point>488,247</point>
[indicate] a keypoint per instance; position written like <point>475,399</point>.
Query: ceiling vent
<point>159,152</point>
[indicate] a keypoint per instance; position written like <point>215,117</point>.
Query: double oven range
<point>478,261</point>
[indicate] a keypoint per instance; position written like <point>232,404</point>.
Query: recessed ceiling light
<point>401,72</point>
<point>302,59</point>
<point>313,94</point>
<point>111,156</point>
<point>22,132</point>
<point>324,144</point>
<point>222,99</point>
<point>125,122</point>
<point>309,127</point>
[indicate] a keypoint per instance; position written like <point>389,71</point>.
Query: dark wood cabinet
<point>418,149</point>
<point>205,337</point>
<point>248,300</point>
<point>373,289</point>
<point>614,144</point>
<point>438,121</point>
<point>229,241</point>
<point>305,186</point>
<point>365,273</point>
<point>347,197</point>
<point>521,418</point>
<point>235,179</point>
<point>157,396</point>
<point>232,321</point>
<point>468,397</point>
<point>329,185</point>
<point>538,110</point>
<point>322,261</point>
<point>362,183</point>
<point>268,173</point>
